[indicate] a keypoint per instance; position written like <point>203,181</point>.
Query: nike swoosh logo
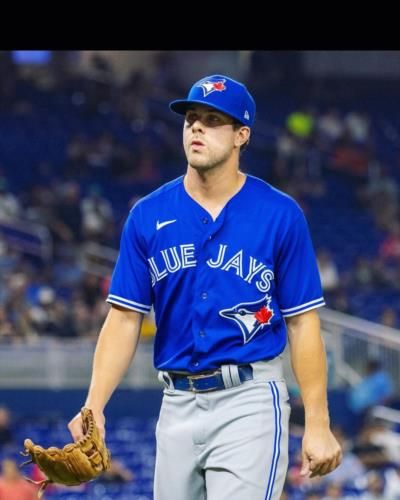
<point>159,224</point>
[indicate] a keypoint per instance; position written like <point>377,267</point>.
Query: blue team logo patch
<point>251,317</point>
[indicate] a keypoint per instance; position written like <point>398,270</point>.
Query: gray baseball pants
<point>230,444</point>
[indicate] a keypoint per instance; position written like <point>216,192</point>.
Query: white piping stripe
<point>134,308</point>
<point>111,296</point>
<point>301,305</point>
<point>277,438</point>
<point>278,441</point>
<point>268,494</point>
<point>304,310</point>
<point>273,464</point>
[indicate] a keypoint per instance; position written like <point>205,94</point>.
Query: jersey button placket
<point>200,338</point>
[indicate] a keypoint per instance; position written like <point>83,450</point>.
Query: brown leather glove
<point>74,464</point>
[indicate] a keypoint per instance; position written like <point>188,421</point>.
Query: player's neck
<point>214,185</point>
<point>214,191</point>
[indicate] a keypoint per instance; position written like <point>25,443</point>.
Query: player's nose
<point>197,125</point>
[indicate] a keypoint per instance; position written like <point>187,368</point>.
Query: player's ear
<point>242,136</point>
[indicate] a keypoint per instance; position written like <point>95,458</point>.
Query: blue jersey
<point>220,288</point>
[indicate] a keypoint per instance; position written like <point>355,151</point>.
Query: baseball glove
<point>74,464</point>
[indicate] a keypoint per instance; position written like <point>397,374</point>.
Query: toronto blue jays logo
<point>251,317</point>
<point>209,87</point>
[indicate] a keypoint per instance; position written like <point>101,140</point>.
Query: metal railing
<point>98,259</point>
<point>29,237</point>
<point>353,341</point>
<point>59,363</point>
<point>350,342</point>
<point>65,364</point>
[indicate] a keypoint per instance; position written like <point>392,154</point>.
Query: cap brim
<point>180,106</point>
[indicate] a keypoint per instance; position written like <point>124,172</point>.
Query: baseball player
<point>228,264</point>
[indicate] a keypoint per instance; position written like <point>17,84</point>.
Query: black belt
<point>207,381</point>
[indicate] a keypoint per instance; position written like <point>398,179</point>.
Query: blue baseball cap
<point>222,93</point>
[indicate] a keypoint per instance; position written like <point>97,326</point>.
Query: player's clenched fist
<point>321,452</point>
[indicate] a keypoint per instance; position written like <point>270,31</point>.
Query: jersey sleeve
<point>298,280</point>
<point>130,285</point>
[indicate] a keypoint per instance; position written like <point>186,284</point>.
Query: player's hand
<point>321,452</point>
<point>75,425</point>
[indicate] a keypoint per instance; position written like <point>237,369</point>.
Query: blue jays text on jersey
<point>176,258</point>
<point>220,288</point>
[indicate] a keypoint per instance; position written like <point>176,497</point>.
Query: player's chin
<point>198,164</point>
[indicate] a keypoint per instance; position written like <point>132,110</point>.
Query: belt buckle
<point>200,376</point>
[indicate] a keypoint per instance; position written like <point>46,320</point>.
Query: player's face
<point>209,138</point>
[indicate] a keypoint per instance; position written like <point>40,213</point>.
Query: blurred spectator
<point>304,184</point>
<point>363,273</point>
<point>334,491</point>
<point>371,455</point>
<point>6,436</point>
<point>392,483</point>
<point>375,487</point>
<point>294,480</point>
<point>38,476</point>
<point>67,218</point>
<point>381,189</point>
<point>389,249</point>
<point>284,495</point>
<point>8,333</point>
<point>339,300</point>
<point>350,158</point>
<point>99,312</point>
<point>289,152</point>
<point>296,412</point>
<point>301,124</point>
<point>357,125</point>
<point>382,435</point>
<point>117,473</point>
<point>40,205</point>
<point>9,259</point>
<point>123,166</point>
<point>9,205</point>
<point>67,271</point>
<point>313,495</point>
<point>100,154</point>
<point>375,388</point>
<point>83,320</point>
<point>330,128</point>
<point>351,466</point>
<point>77,151</point>
<point>49,316</point>
<point>389,317</point>
<point>90,289</point>
<point>16,285</point>
<point>13,486</point>
<point>132,101</point>
<point>328,271</point>
<point>97,219</point>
